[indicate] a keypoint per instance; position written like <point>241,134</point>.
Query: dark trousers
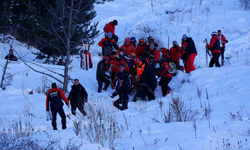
<point>123,99</point>
<point>60,111</point>
<point>222,49</point>
<point>215,60</point>
<point>77,104</point>
<point>141,92</point>
<point>113,79</point>
<point>105,80</point>
<point>164,84</point>
<point>115,38</point>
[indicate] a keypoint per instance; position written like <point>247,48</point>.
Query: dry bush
<point>101,127</point>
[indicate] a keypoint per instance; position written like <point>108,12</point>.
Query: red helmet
<point>105,58</point>
<point>136,60</point>
<point>127,40</point>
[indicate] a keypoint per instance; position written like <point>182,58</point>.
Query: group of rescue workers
<point>134,67</point>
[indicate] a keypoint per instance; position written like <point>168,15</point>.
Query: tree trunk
<point>4,71</point>
<point>66,72</point>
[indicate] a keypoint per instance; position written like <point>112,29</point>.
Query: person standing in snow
<point>190,52</point>
<point>54,99</point>
<point>174,54</point>
<point>214,47</point>
<point>11,56</point>
<point>101,75</point>
<point>223,42</point>
<point>123,87</point>
<point>108,45</point>
<point>140,48</point>
<point>110,27</point>
<point>166,76</point>
<point>77,97</point>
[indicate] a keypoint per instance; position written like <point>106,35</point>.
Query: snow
<point>142,125</point>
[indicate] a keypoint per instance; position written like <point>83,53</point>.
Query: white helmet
<point>214,33</point>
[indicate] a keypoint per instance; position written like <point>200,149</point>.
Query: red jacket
<point>174,53</point>
<point>156,54</point>
<point>113,61</point>
<point>140,49</point>
<point>223,38</point>
<point>55,97</point>
<point>214,45</point>
<point>164,53</point>
<point>110,27</point>
<point>165,72</point>
<point>127,49</point>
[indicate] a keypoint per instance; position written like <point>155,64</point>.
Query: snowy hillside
<point>216,100</point>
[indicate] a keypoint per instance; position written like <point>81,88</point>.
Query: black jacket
<point>126,82</point>
<point>101,69</point>
<point>190,48</point>
<point>148,77</point>
<point>77,94</point>
<point>11,57</point>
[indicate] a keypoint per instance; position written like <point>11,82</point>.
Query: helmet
<point>127,40</point>
<point>105,58</point>
<point>151,56</point>
<point>124,65</point>
<point>184,36</point>
<point>115,22</point>
<point>133,39</point>
<point>141,40</point>
<point>109,34</point>
<point>133,55</point>
<point>160,59</point>
<point>214,33</point>
<point>126,56</point>
<point>136,60</point>
<point>151,40</point>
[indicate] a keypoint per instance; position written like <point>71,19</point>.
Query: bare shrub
<point>77,126</point>
<point>102,127</point>
<point>180,112</point>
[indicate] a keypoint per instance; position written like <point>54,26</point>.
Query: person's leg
<point>117,102</point>
<point>99,85</point>
<point>217,56</point>
<point>125,100</point>
<point>73,108</point>
<point>211,64</point>
<point>107,82</point>
<point>115,38</point>
<point>53,112</point>
<point>190,63</point>
<point>165,83</point>
<point>81,108</point>
<point>222,55</point>
<point>63,116</point>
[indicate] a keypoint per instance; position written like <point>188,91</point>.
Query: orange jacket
<point>110,28</point>
<point>174,53</point>
<point>56,99</point>
<point>127,49</point>
<point>140,69</point>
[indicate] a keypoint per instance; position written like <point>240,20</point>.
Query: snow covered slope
<point>225,90</point>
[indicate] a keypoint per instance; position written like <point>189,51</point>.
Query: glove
<point>48,115</point>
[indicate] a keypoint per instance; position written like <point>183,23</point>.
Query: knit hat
<point>214,33</point>
<point>109,34</point>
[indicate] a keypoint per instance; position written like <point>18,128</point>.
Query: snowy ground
<point>142,125</point>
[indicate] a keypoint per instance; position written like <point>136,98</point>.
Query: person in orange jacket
<point>127,48</point>
<point>110,27</point>
<point>223,42</point>
<point>214,47</point>
<point>54,100</point>
<point>108,45</point>
<point>140,48</point>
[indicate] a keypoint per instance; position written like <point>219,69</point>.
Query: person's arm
<point>101,42</point>
<point>212,41</point>
<point>224,40</point>
<point>85,95</point>
<point>63,96</point>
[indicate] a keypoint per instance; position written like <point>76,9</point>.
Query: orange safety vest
<point>139,70</point>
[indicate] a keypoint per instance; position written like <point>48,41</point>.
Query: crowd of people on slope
<point>131,67</point>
